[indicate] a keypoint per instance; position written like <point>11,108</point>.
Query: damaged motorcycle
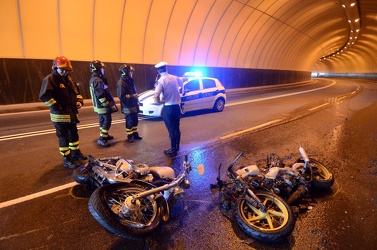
<point>135,208</point>
<point>260,214</point>
<point>293,182</point>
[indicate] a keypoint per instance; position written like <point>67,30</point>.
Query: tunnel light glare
<point>349,20</point>
<point>343,5</point>
<point>352,4</point>
<point>356,20</point>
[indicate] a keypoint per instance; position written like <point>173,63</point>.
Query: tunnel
<point>244,43</point>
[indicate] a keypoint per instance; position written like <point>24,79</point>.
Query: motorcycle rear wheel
<point>106,204</point>
<point>322,178</point>
<point>273,225</point>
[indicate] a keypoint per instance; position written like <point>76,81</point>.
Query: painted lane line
<point>320,106</point>
<point>50,131</point>
<point>250,129</point>
<point>37,195</point>
<point>279,96</point>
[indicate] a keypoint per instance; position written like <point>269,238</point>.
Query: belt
<point>170,104</point>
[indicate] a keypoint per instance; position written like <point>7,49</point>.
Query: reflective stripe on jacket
<point>125,91</point>
<point>102,99</point>
<point>60,94</point>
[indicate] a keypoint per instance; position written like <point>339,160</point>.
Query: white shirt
<point>168,88</point>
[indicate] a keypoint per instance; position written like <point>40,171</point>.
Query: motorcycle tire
<point>273,225</point>
<point>322,178</point>
<point>82,174</point>
<point>106,204</point>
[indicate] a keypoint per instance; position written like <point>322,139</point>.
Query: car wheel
<point>219,105</point>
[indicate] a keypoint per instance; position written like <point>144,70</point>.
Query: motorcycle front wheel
<point>82,174</point>
<point>322,178</point>
<point>131,221</point>
<point>272,225</point>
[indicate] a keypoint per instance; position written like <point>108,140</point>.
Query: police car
<point>197,93</point>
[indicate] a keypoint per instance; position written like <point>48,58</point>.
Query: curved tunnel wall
<point>259,37</point>
<point>22,78</point>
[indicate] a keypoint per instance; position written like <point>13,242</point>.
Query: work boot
<point>110,137</point>
<point>103,142</point>
<point>77,155</point>
<point>68,163</point>
<point>130,138</point>
<point>171,152</point>
<point>137,136</point>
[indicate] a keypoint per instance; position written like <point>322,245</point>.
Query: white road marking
<point>37,195</point>
<point>50,131</point>
<point>320,106</point>
<point>250,129</point>
<point>279,96</point>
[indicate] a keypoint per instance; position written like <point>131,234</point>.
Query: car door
<point>190,96</point>
<point>209,93</point>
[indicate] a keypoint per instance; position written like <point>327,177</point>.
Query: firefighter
<point>62,95</point>
<point>103,101</point>
<point>126,91</point>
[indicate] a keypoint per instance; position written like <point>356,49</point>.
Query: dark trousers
<point>68,137</point>
<point>104,124</point>
<point>171,114</point>
<point>132,120</point>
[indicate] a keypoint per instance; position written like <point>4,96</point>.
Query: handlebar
<point>303,154</point>
<point>230,167</point>
<point>234,162</point>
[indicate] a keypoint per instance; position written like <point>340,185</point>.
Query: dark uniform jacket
<point>60,94</point>
<point>103,101</point>
<point>125,91</point>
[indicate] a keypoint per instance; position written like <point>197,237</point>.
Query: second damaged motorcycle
<point>136,208</point>
<point>294,181</point>
<point>260,214</point>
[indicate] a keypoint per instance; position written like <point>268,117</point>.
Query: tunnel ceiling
<point>310,35</point>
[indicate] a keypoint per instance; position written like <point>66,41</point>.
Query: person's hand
<point>114,108</point>
<point>78,105</point>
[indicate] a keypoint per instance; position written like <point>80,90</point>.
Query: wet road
<point>340,133</point>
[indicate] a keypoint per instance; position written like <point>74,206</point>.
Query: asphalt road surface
<point>334,120</point>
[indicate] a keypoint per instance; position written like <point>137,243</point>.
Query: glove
<point>114,108</point>
<point>78,105</point>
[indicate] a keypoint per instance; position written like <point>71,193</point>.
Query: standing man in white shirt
<point>167,93</point>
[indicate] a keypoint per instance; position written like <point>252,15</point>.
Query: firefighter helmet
<point>62,62</point>
<point>96,65</point>
<point>125,69</point>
